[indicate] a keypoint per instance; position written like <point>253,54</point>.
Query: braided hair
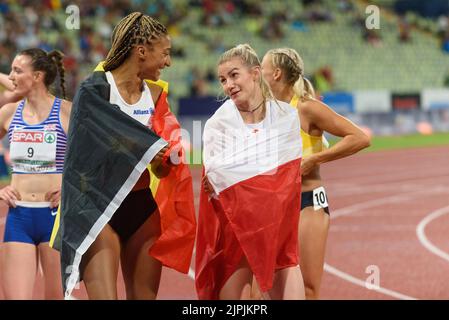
<point>134,29</point>
<point>290,62</point>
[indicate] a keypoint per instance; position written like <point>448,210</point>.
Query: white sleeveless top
<point>141,111</point>
<point>256,127</point>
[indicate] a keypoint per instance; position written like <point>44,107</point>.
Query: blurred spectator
<point>85,43</point>
<point>442,25</point>
<point>178,52</point>
<point>345,5</point>
<point>316,12</point>
<point>445,43</point>
<point>404,30</point>
<point>216,45</point>
<point>323,80</point>
<point>217,13</point>
<point>197,83</point>
<point>372,36</point>
<point>272,29</point>
<point>249,8</point>
<point>358,21</point>
<point>307,3</point>
<point>298,25</point>
<point>211,76</point>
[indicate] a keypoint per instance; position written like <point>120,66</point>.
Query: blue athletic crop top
<point>38,148</point>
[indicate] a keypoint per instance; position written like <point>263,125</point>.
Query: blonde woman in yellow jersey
<point>283,69</point>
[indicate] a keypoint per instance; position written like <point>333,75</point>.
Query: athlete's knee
<point>142,292</point>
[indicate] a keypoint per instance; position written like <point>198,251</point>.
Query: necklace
<point>241,110</point>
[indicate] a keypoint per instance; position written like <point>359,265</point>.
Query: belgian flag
<point>107,151</point>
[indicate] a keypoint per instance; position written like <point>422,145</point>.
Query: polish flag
<point>254,210</point>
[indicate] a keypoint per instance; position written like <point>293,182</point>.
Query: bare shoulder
<point>311,107</point>
<point>6,114</point>
<point>66,104</point>
<point>66,107</point>
<point>8,109</point>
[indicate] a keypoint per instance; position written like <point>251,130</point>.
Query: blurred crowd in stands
<point>25,23</point>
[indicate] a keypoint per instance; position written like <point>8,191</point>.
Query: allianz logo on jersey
<point>143,112</point>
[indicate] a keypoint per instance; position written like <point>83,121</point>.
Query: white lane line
<point>370,204</point>
<point>346,189</point>
<point>361,283</point>
<point>191,274</point>
<point>385,200</point>
<point>356,208</point>
<point>420,232</point>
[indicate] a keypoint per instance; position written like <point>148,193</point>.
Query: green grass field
<point>407,141</point>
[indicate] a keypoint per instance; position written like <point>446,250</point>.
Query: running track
<point>390,213</point>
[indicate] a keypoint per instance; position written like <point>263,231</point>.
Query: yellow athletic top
<point>310,144</point>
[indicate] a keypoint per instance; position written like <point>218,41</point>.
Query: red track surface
<point>377,202</point>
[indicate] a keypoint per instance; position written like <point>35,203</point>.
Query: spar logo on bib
<point>28,136</point>
<point>49,137</point>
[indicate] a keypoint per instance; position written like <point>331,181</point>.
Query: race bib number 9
<point>319,198</point>
<point>33,151</point>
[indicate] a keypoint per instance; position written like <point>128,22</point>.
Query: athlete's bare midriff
<point>311,181</point>
<point>33,187</point>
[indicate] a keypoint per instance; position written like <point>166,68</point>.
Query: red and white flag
<point>255,173</point>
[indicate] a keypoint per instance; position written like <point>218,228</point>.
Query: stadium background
<point>389,207</point>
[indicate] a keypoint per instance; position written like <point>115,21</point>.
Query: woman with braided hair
<point>109,214</point>
<point>283,69</point>
<point>36,128</point>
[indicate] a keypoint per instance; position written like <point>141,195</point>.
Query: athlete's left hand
<point>53,197</point>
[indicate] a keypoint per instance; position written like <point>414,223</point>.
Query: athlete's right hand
<point>158,167</point>
<point>159,156</point>
<point>207,186</point>
<point>10,195</point>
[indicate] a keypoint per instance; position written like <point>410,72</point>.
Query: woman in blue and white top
<point>36,128</point>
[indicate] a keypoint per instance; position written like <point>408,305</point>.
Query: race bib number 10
<point>319,198</point>
<point>33,151</point>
